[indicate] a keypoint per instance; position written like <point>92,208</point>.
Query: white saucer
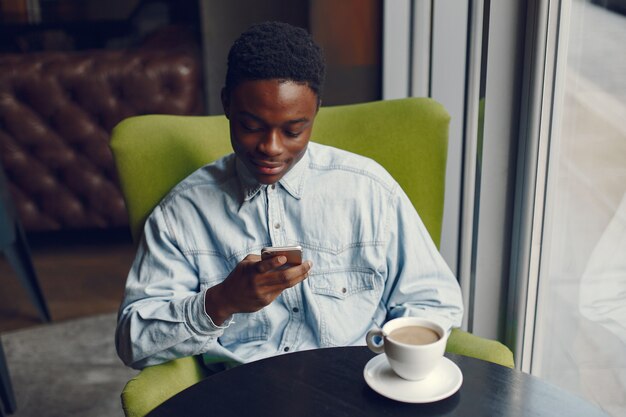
<point>445,380</point>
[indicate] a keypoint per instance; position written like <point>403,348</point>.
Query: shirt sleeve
<point>419,282</point>
<point>162,316</point>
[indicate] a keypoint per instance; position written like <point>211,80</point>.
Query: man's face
<point>270,125</point>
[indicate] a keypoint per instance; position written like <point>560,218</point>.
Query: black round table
<point>329,382</point>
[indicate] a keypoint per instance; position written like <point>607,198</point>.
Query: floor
<point>67,369</point>
<point>81,274</point>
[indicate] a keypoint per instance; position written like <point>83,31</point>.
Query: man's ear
<point>225,102</point>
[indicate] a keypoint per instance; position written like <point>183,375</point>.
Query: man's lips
<point>268,168</point>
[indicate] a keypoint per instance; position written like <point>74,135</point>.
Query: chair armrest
<point>467,344</point>
<point>155,384</point>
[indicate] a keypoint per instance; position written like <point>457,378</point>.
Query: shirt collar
<point>292,181</point>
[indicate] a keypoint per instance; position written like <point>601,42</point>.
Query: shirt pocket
<point>343,303</point>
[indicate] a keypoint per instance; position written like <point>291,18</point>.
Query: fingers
<point>289,277</point>
<point>270,264</point>
<point>255,283</point>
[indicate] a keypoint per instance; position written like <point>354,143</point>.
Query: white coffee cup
<point>409,358</point>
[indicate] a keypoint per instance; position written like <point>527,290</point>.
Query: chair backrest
<point>409,137</point>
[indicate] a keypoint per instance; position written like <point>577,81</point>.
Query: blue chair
<point>13,245</point>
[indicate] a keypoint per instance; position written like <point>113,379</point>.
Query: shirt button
<point>276,225</point>
<point>273,186</point>
<point>286,349</point>
<point>343,290</point>
<point>295,309</point>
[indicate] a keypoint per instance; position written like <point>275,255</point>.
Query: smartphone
<point>293,254</point>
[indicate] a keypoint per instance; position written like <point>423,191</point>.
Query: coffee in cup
<point>414,335</point>
<point>413,345</point>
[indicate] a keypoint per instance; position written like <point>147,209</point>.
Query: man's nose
<point>271,143</point>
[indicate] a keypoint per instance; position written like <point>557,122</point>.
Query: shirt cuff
<point>200,321</point>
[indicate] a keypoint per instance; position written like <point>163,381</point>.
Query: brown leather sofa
<point>57,110</point>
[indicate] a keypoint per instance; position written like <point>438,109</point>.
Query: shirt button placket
<point>292,330</point>
<point>274,213</point>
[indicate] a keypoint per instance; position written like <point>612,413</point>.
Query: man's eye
<point>292,134</point>
<point>249,128</point>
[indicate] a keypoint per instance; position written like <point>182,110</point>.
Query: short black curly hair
<point>276,50</point>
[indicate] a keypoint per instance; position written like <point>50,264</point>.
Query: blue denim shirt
<point>373,260</point>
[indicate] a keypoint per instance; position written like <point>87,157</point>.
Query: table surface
<point>329,382</point>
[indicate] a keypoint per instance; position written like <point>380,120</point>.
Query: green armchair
<point>408,137</point>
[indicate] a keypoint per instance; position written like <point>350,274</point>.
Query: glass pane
<point>580,333</point>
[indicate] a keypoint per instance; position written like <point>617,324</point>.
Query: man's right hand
<point>252,285</point>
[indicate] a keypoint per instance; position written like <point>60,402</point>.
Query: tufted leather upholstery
<point>57,110</point>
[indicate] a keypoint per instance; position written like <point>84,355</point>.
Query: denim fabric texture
<point>373,260</point>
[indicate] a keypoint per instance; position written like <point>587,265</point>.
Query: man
<point>198,284</point>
